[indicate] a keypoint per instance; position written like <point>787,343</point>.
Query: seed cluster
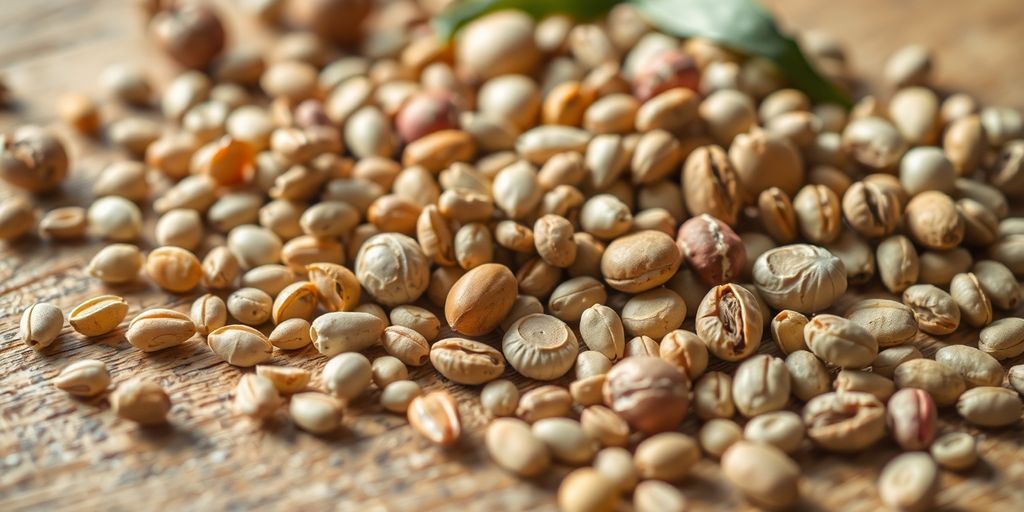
<point>583,189</point>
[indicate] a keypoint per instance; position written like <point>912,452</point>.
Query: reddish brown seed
<point>651,394</point>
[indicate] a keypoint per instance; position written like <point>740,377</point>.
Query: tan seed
<point>88,377</point>
<point>436,417</point>
<point>98,315</point>
<point>157,329</point>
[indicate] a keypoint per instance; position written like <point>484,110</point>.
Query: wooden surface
<point>60,453</point>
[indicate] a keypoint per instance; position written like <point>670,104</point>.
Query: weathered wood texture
<point>61,453</point>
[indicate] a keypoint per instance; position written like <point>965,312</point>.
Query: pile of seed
<point>581,189</point>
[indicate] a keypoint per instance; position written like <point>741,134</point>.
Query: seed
<point>41,324</point>
<point>466,361</point>
<point>935,310</point>
<point>976,367</point>
<point>1003,339</point>
<point>286,379</point>
<point>909,482</point>
<point>513,446</point>
<point>539,346</point>
<point>392,268</point>
<point>890,322</point>
<point>500,398</point>
<point>115,218</point>
<point>116,264</point>
<point>180,228</point>
<point>250,306</point>
<point>655,496</point>
<point>142,401</point>
<point>174,269</point>
<point>292,334</point>
<point>17,218</point>
<point>334,333</point>
<point>570,299</point>
<point>729,321</point>
<point>845,421</point>
<point>220,268</point>
<point>297,300</point>
<point>998,283</point>
<point>712,396</point>
<point>98,315</point>
<point>605,426</point>
<point>1016,377</point>
<point>208,313</point>
<point>781,429</point>
<point>840,341</point>
<point>990,406</point>
<point>240,345</point>
<point>649,393</point>
<point>889,359</point>
<point>943,383</point>
<point>788,331</point>
<point>416,318</point>
<point>33,159</point>
<point>653,313</point>
<point>718,435</point>
<point>956,451</point>
<point>590,363</point>
<point>88,377</point>
<point>256,396</point>
<point>347,375</point>
<point>761,384</point>
<point>566,440</point>
<point>315,413</point>
<point>544,402</point>
<point>912,418</point>
<point>436,417</point>
<point>158,329</point>
<point>336,285</point>
<point>387,369</point>
<point>763,474</point>
<point>64,223</point>
<point>587,490</point>
<point>625,270</point>
<point>801,277</point>
<point>471,311</point>
<point>879,386</point>
<point>809,376</point>
<point>668,456</point>
<point>397,395</point>
<point>602,330</point>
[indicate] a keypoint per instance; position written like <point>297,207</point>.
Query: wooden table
<point>60,453</point>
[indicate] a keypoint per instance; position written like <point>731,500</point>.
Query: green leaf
<point>449,21</point>
<point>744,26</point>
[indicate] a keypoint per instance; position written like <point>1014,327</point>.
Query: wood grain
<point>60,453</point>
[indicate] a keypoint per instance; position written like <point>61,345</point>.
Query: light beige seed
<point>436,417</point>
<point>889,359</point>
<point>566,440</point>
<point>809,376</point>
<point>158,329</point>
<point>174,269</point>
<point>347,375</point>
<point>976,367</point>
<point>88,377</point>
<point>292,334</point>
<point>250,306</point>
<point>717,435</point>
<point>397,395</point>
<point>269,278</point>
<point>337,286</point>
<point>712,396</point>
<point>653,313</point>
<point>587,490</point>
<point>286,379</point>
<point>590,363</point>
<point>943,383</point>
<point>115,218</point>
<point>297,300</point>
<point>240,345</point>
<point>544,402</point>
<point>315,413</point>
<point>570,299</point>
<point>466,361</point>
<point>513,446</point>
<point>220,268</point>
<point>879,386</point>
<point>956,451</point>
<point>1015,375</point>
<point>1003,339</point>
<point>388,369</point>
<point>142,401</point>
<point>588,390</point>
<point>98,315</point>
<point>975,307</point>
<point>656,496</point>
<point>781,429</point>
<point>840,341</point>
<point>761,384</point>
<point>890,322</point>
<point>602,330</point>
<point>116,264</point>
<point>179,228</point>
<point>208,313</point>
<point>500,398</point>
<point>604,426</point>
<point>909,482</point>
<point>844,422</point>
<point>541,347</point>
<point>334,333</point>
<point>65,223</point>
<point>935,310</point>
<point>41,324</point>
<point>990,406</point>
<point>788,331</point>
<point>668,456</point>
<point>256,396</point>
<point>416,318</point>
